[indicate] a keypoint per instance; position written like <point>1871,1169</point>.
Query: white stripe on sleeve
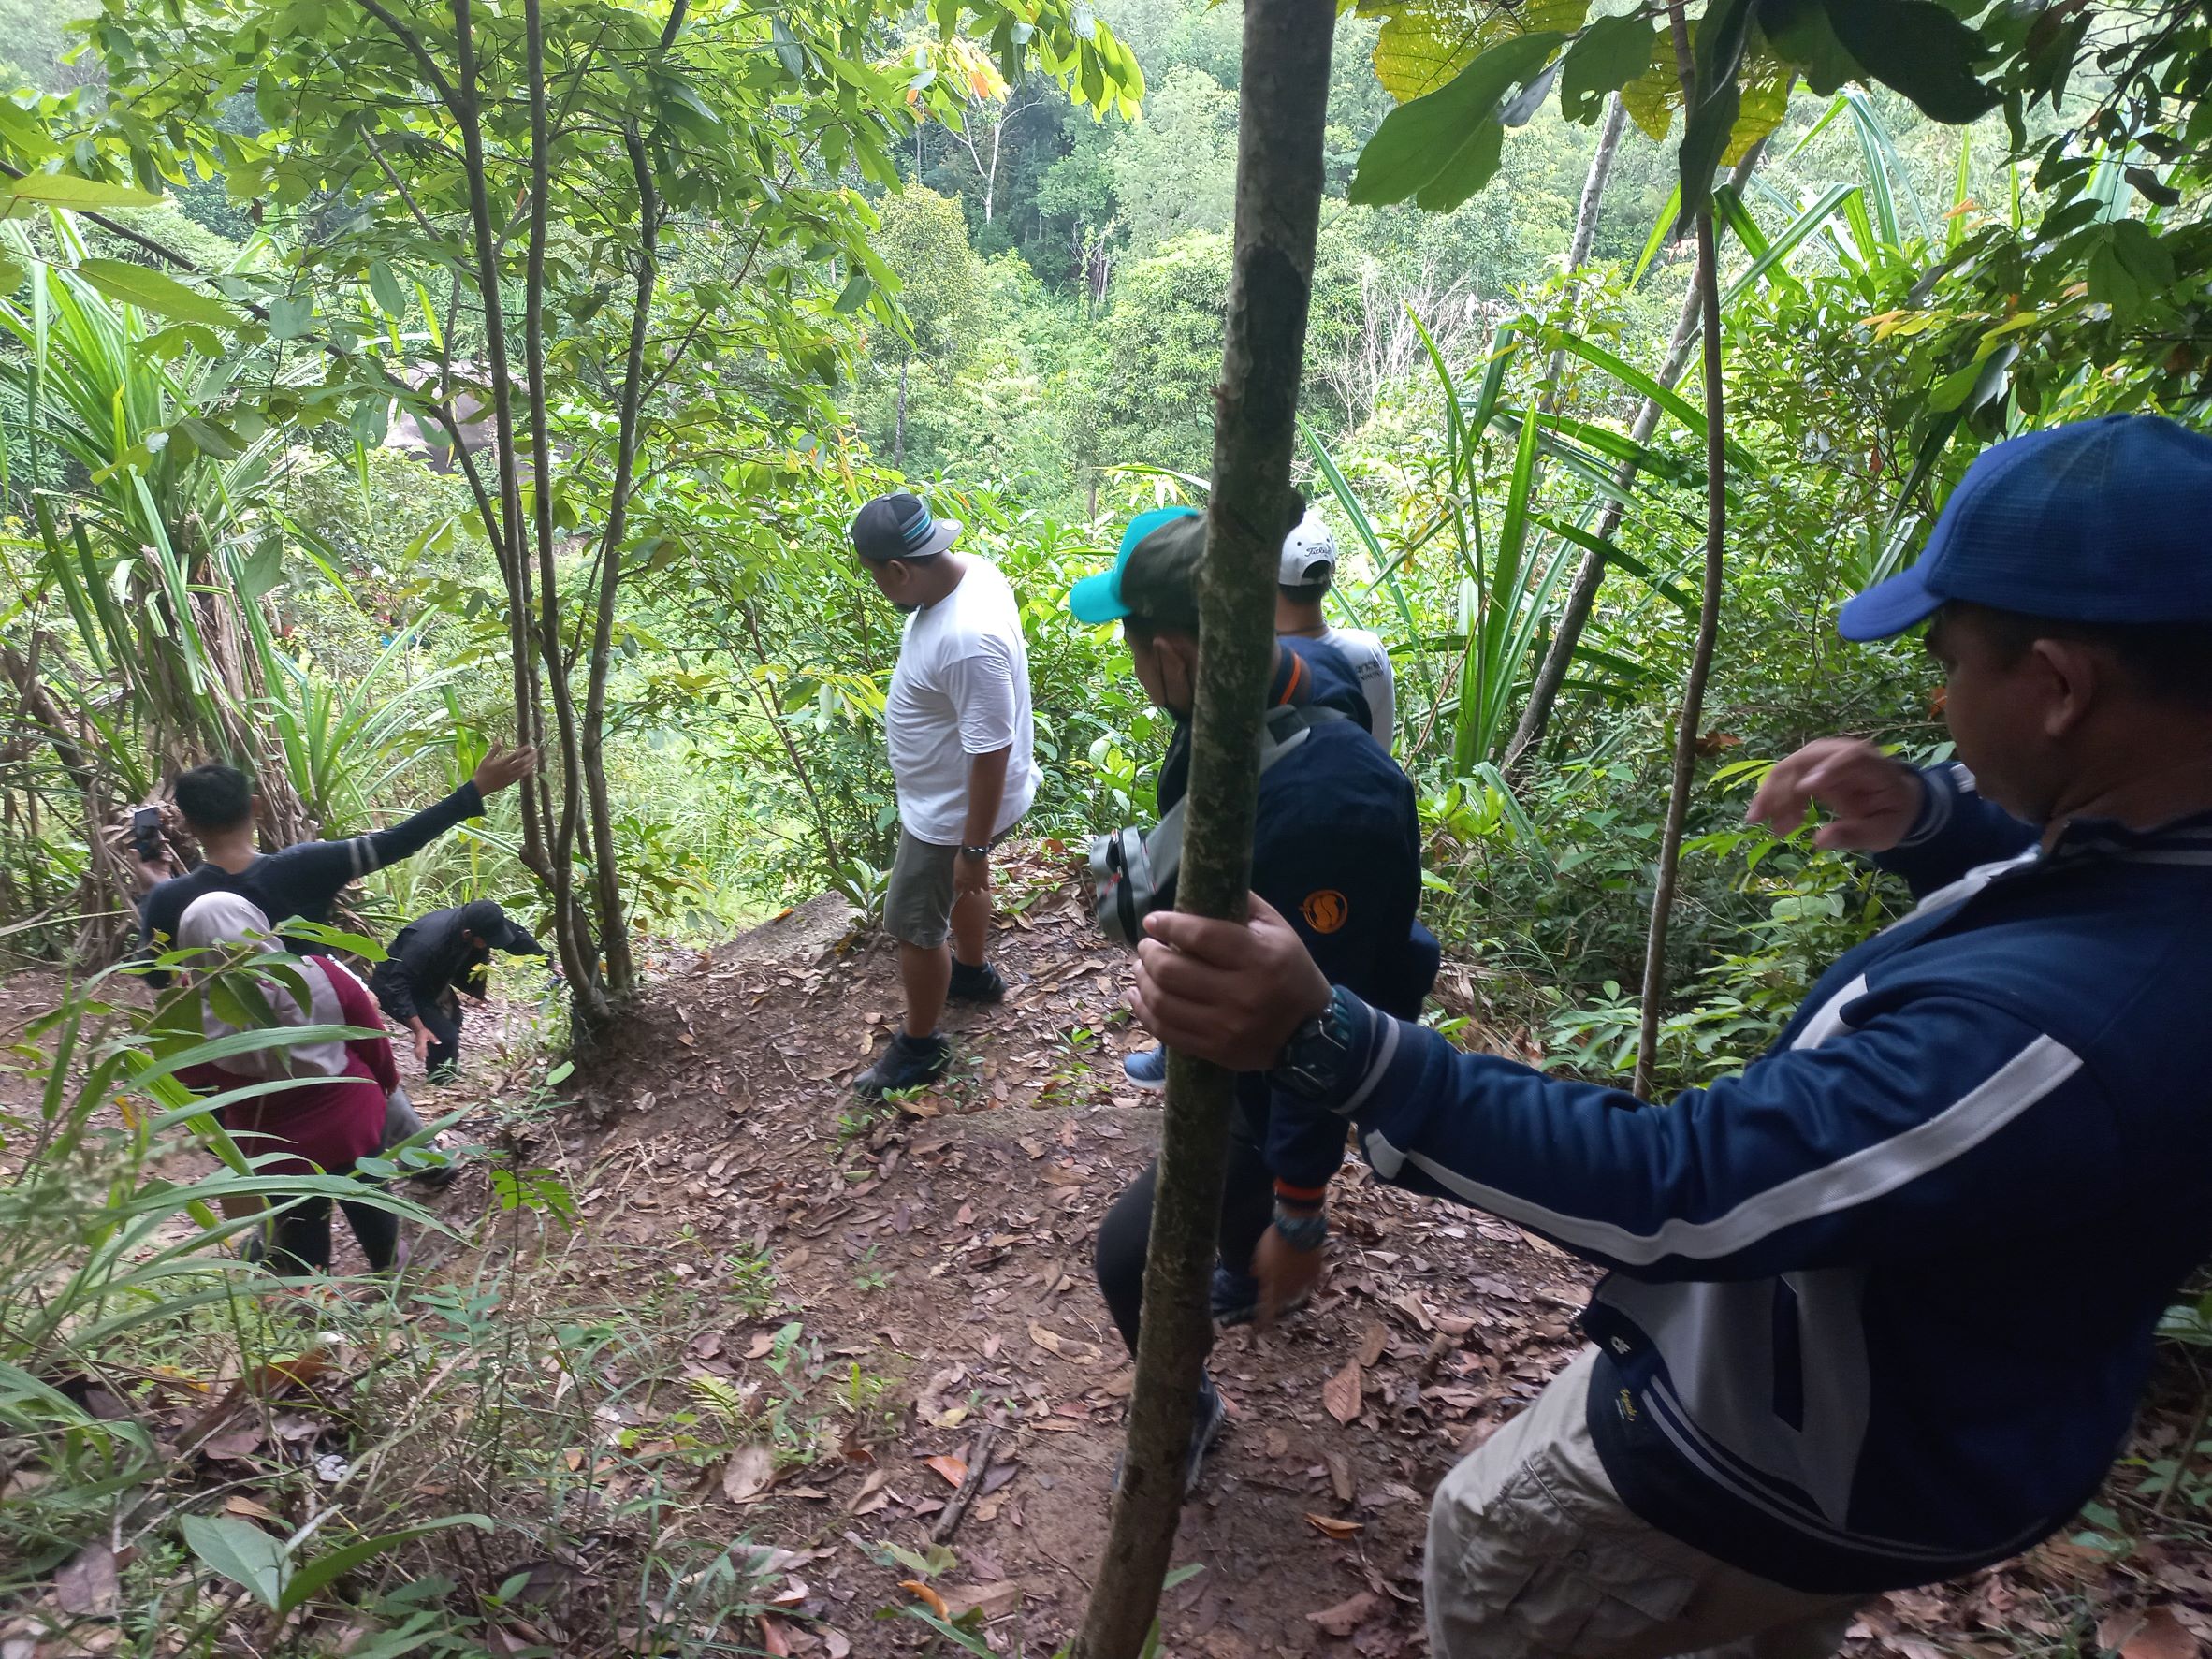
<point>1859,1178</point>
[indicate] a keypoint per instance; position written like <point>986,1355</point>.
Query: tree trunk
<point>508,541</point>
<point>1706,285</point>
<point>1582,596</point>
<point>899,423</point>
<point>572,933</point>
<point>614,928</point>
<point>1593,190</point>
<point>1285,93</point>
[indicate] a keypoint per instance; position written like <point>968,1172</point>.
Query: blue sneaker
<point>1147,1068</point>
<point>1210,1420</point>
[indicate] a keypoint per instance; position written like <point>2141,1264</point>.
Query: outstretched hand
<point>504,766</point>
<point>1873,797</point>
<point>1228,992</point>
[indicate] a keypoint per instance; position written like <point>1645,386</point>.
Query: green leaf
<point>332,1565</point>
<point>291,316</point>
<point>1611,52</point>
<point>263,571</point>
<point>66,190</point>
<point>856,294</point>
<point>1803,226</point>
<point>1717,53</point>
<point>237,1551</point>
<point>152,290</point>
<point>1800,33</point>
<point>385,287</point>
<point>1919,49</point>
<point>1431,143</point>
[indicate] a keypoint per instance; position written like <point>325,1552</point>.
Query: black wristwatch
<point>983,851</point>
<point>1314,1064</point>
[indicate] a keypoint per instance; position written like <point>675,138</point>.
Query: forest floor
<point>905,1283</point>
<point>944,1247</point>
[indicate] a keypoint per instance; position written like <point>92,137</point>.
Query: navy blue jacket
<point>1882,1305</point>
<point>302,881</point>
<point>1336,847</point>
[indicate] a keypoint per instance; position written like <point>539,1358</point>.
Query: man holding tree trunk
<point>1851,1340</point>
<point>1336,844</point>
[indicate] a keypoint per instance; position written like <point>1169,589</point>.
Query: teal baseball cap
<point>1111,594</point>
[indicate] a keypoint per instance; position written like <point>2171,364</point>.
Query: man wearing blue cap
<point>1851,1339</point>
<point>1336,846</point>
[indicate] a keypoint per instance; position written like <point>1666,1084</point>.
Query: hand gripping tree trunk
<point>1279,177</point>
<point>1708,287</point>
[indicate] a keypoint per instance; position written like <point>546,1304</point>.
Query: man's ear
<point>2071,679</point>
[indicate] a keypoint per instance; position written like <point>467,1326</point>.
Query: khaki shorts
<point>918,904</point>
<point>1532,1555</point>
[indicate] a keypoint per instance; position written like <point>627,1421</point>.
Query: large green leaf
<point>1611,52</point>
<point>66,190</point>
<point>1434,143</point>
<point>1800,33</point>
<point>1919,49</point>
<point>238,1550</point>
<point>152,290</point>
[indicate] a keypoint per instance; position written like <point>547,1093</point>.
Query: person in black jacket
<point>434,961</point>
<point>1336,844</point>
<point>303,881</point>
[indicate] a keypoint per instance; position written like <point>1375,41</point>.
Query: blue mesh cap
<point>1105,597</point>
<point>2105,520</point>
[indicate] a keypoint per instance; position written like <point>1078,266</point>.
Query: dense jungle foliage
<point>385,380</point>
<point>253,402</point>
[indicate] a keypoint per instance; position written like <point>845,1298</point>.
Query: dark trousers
<point>1247,1206</point>
<point>444,1018</point>
<point>302,1243</point>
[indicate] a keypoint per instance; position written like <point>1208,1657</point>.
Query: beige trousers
<point>1532,1555</point>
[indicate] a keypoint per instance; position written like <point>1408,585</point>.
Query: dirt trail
<point>947,1248</point>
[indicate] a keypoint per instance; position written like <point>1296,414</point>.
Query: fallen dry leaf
<point>760,1345</point>
<point>1340,1394</point>
<point>773,1641</point>
<point>85,1584</point>
<point>238,1503</point>
<point>1068,1347</point>
<point>1277,1443</point>
<point>1333,1526</point>
<point>1340,1477</point>
<point>953,1469</point>
<point>749,1472</point>
<point>1373,1340</point>
<point>1348,1616</point>
<point>928,1597</point>
<point>835,1641</point>
<point>2160,1636</point>
<point>993,1600</point>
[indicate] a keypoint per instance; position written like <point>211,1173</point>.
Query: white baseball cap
<point>1309,553</point>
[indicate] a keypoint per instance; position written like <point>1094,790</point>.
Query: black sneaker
<point>980,983</point>
<point>1236,1297</point>
<point>909,1063</point>
<point>1205,1428</point>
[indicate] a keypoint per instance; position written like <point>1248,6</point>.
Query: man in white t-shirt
<point>1308,566</point>
<point>962,756</point>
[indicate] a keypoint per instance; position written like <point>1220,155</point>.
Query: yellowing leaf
<point>1333,1526</point>
<point>928,1597</point>
<point>1423,43</point>
<point>953,1469</point>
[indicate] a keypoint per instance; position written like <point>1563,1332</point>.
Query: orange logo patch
<point>1325,912</point>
